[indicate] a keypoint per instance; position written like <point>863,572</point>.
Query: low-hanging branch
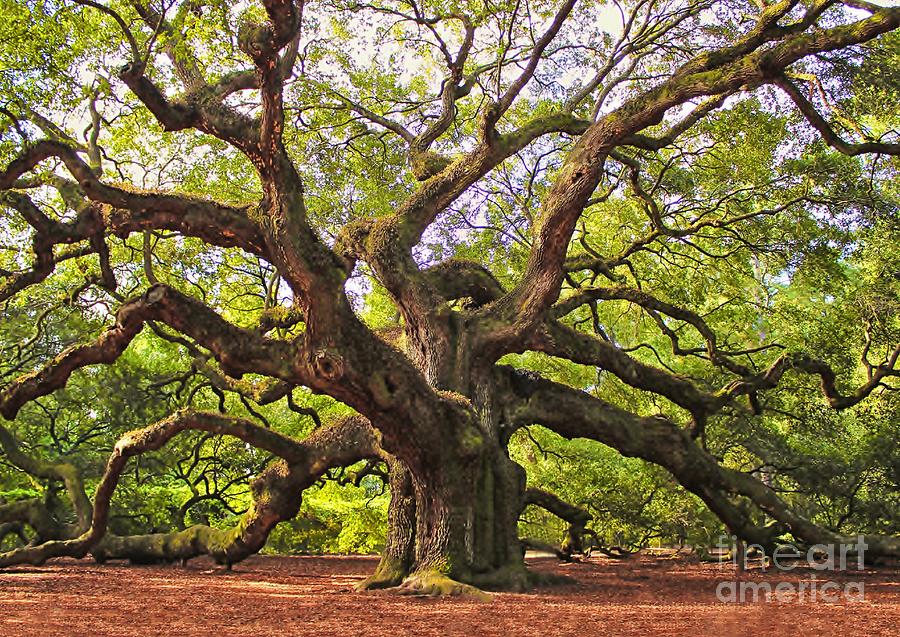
<point>576,414</point>
<point>276,491</point>
<point>576,518</point>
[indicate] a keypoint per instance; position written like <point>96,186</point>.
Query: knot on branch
<point>351,242</point>
<point>155,293</point>
<point>427,164</point>
<point>489,119</point>
<point>328,364</point>
<point>460,279</point>
<point>131,70</point>
<point>256,40</point>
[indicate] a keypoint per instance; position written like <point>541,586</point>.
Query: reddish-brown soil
<point>312,596</point>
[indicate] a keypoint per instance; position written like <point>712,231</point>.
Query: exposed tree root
<point>388,574</point>
<point>513,577</point>
<point>435,584</point>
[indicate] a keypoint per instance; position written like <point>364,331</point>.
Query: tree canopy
<point>632,264</point>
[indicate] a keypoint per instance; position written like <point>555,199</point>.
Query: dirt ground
<point>296,596</point>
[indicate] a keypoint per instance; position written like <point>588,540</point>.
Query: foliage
<point>775,240</point>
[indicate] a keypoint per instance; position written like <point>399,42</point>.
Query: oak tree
<point>432,196</point>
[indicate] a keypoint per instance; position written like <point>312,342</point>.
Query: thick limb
<point>238,350</point>
<point>34,511</point>
<point>276,491</point>
<point>13,528</point>
<point>576,517</point>
<point>752,61</point>
<point>576,414</point>
<point>125,210</point>
<point>560,340</point>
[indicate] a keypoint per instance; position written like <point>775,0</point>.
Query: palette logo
<point>825,558</point>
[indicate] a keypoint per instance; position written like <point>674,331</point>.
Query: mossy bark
<point>464,494</point>
<point>466,526</point>
<point>399,552</point>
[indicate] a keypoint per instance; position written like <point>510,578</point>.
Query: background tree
<point>632,223</point>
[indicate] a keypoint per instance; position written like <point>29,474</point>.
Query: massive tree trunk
<point>466,507</point>
<point>455,507</point>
